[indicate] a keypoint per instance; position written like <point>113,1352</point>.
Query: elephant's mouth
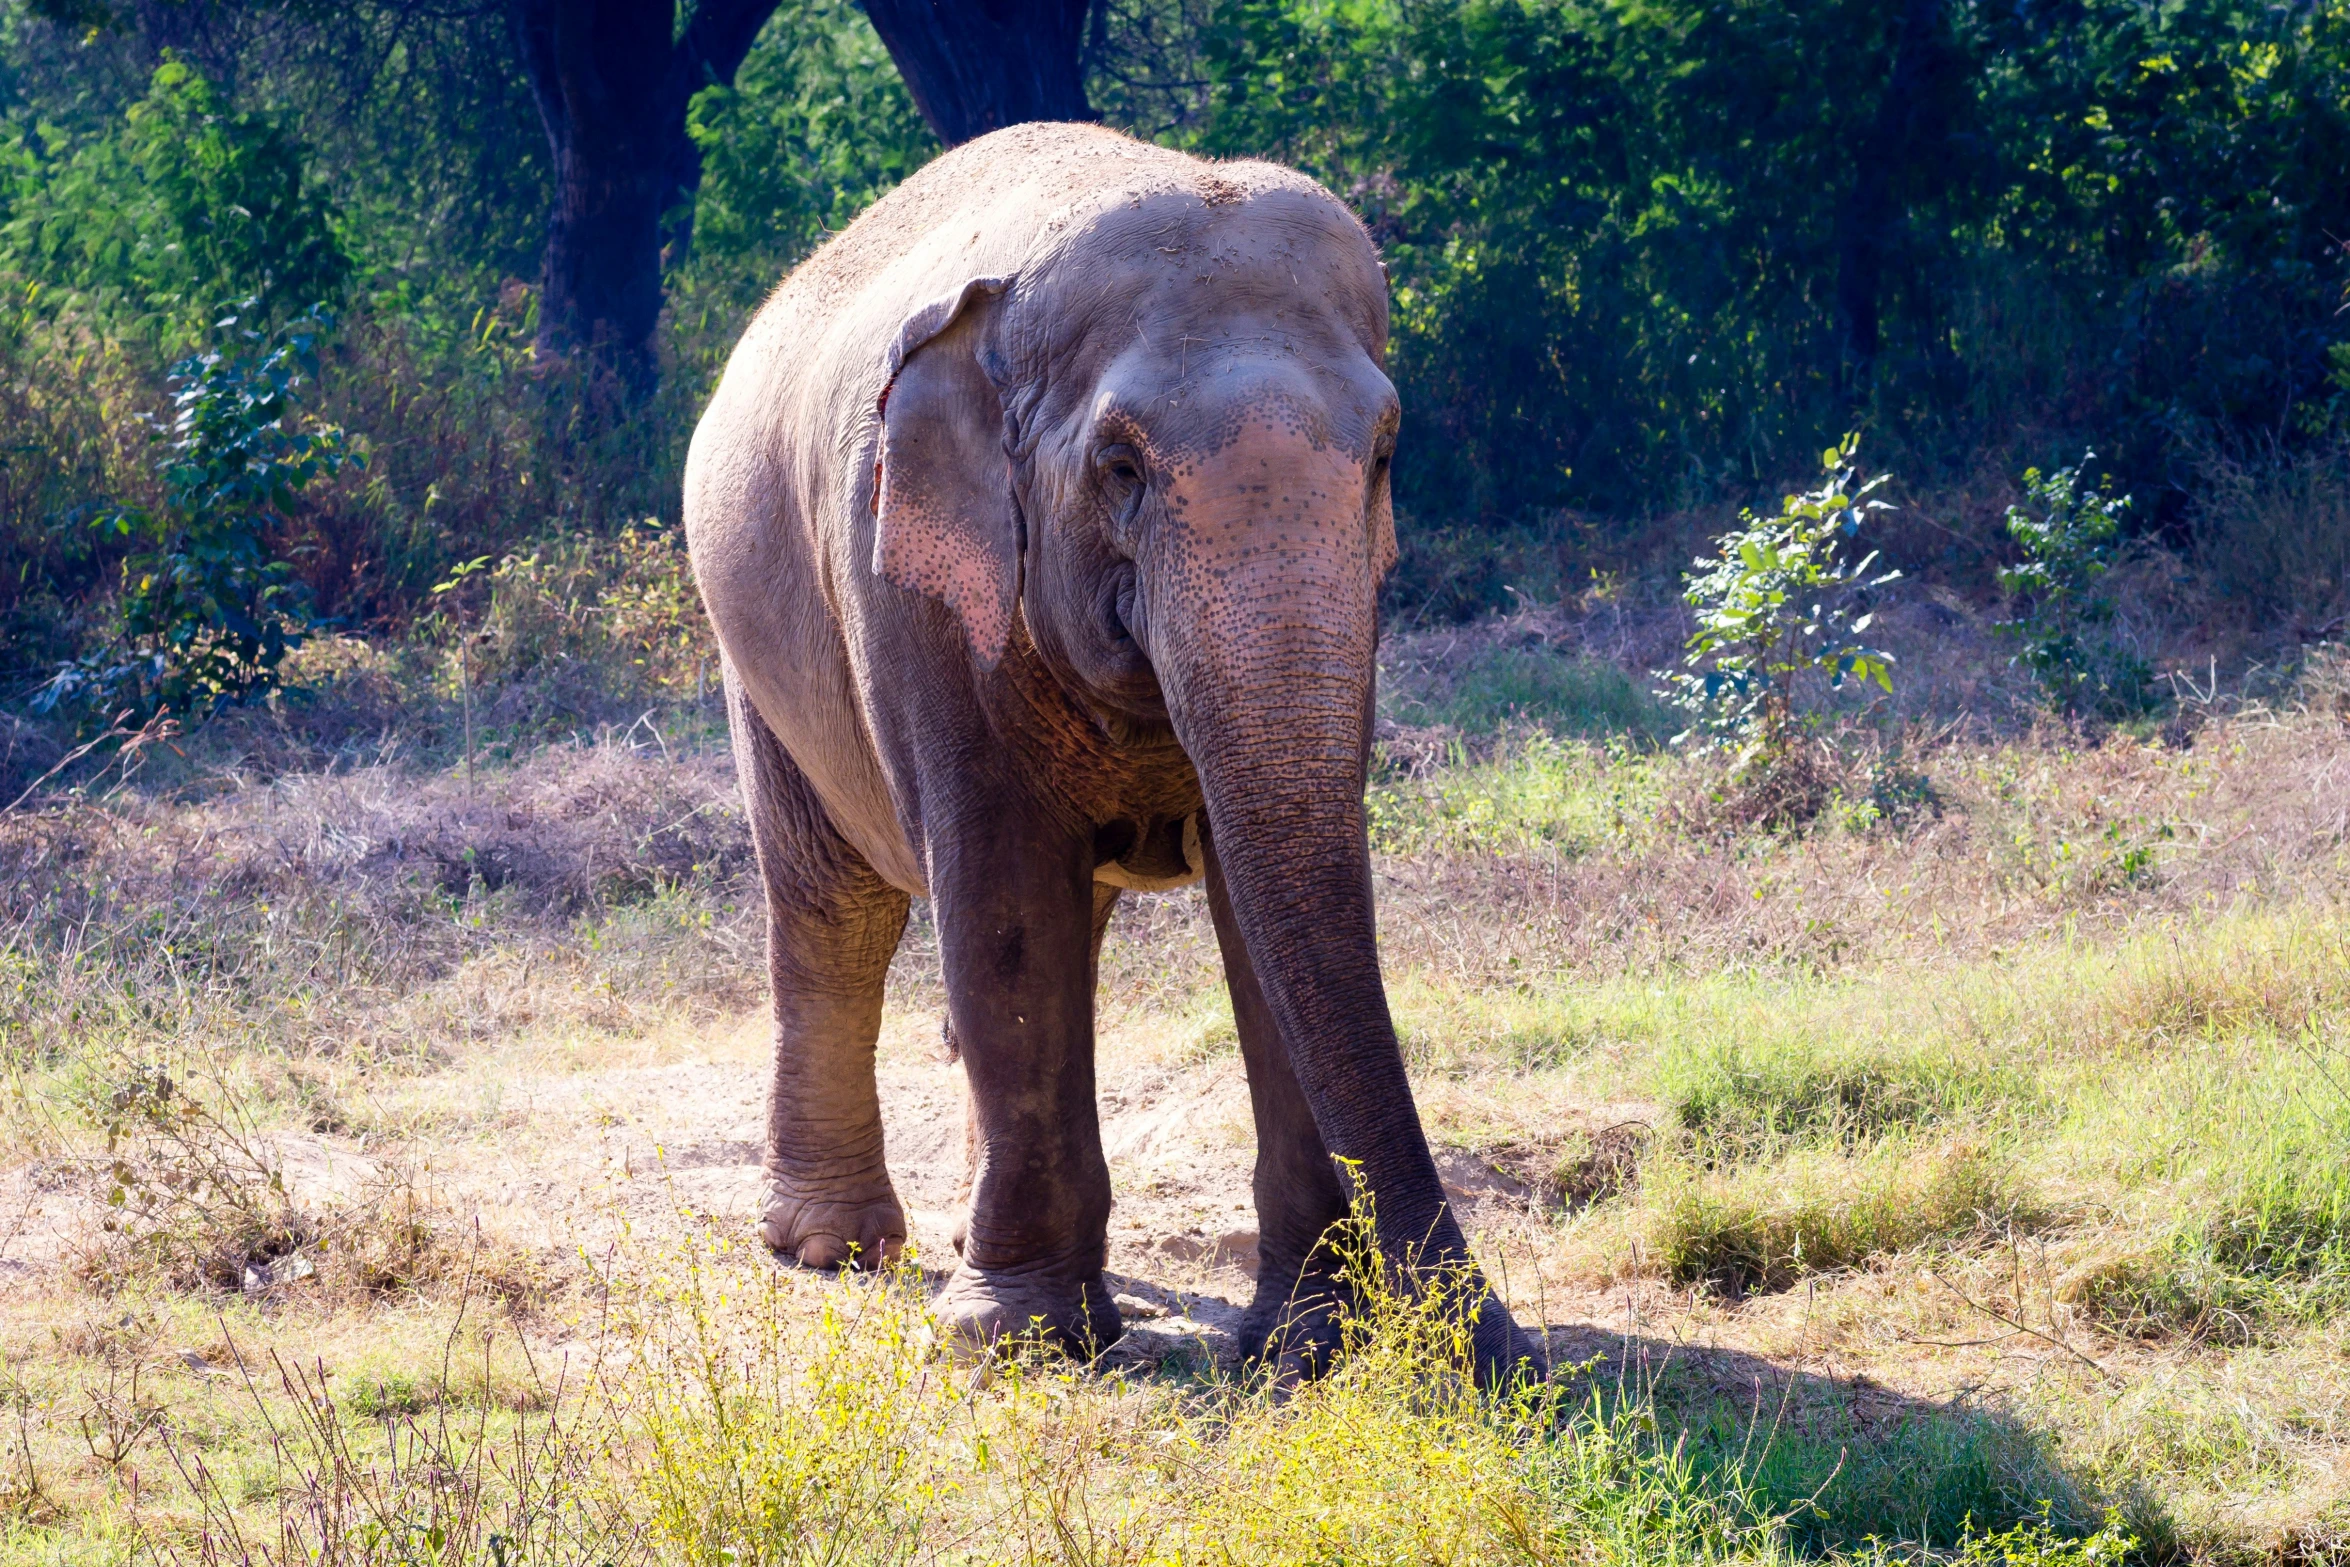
<point>1152,856</point>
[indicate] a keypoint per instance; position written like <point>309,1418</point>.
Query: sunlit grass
<point>1500,686</point>
<point>1536,792</point>
<point>2109,1108</point>
<point>720,1411</point>
<point>1806,1123</point>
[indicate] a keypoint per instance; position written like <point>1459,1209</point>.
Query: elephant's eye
<point>1121,469</point>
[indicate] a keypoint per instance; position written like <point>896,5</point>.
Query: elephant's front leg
<point>1015,909</point>
<point>832,926</point>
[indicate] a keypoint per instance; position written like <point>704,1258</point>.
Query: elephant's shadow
<point>1840,1458</point>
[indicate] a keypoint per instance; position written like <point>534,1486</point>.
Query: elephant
<point>1040,515</point>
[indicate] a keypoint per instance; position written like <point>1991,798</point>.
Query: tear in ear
<point>947,527</point>
<point>1382,519</point>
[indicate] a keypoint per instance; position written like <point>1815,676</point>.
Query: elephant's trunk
<point>1270,690</point>
<point>1283,787</point>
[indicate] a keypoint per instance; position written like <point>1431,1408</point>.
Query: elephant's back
<point>987,207</point>
<point>993,196</point>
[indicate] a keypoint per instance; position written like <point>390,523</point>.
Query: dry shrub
<point>2276,979</point>
<point>625,602</point>
<point>2324,683</point>
<point>193,1193</point>
<point>1594,1166</point>
<point>2273,534</point>
<point>361,1479</point>
<point>1579,1168</point>
<point>1773,791</point>
<point>2170,1292</point>
<point>197,1197</point>
<point>575,827</point>
<point>593,822</point>
<point>378,915</point>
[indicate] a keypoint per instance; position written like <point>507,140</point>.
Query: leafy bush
<point>578,625</point>
<point>187,203</point>
<point>208,611</point>
<point>2067,533</point>
<point>1775,605</point>
<point>1618,233</point>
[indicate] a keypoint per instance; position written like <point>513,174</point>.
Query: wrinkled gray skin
<point>1041,516</point>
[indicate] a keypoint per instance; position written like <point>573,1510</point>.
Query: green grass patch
<point>1765,1226</point>
<point>1847,1478</point>
<point>2250,1150</point>
<point>1529,687</point>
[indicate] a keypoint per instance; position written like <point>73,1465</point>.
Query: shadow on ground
<point>1843,1459</point>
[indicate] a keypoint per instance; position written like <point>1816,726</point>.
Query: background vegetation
<point>1628,240</point>
<point>1921,1120</point>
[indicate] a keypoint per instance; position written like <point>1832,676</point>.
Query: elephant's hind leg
<point>832,927</point>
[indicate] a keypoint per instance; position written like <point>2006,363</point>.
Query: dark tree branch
<point>1910,119</point>
<point>975,66</point>
<point>612,86</point>
<point>717,40</point>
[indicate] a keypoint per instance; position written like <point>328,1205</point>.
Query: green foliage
<point>187,203</point>
<point>1614,227</point>
<point>208,610</point>
<point>1777,604</point>
<point>2067,534</point>
<point>816,126</point>
<point>1480,142</point>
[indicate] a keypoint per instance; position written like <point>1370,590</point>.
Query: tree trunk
<point>1909,116</point>
<point>976,66</point>
<point>612,79</point>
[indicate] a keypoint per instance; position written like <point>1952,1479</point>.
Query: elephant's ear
<point>947,526</point>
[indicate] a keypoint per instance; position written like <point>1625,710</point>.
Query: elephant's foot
<point>978,1310</point>
<point>831,1222</point>
<point>1294,1324</point>
<point>1506,1353</point>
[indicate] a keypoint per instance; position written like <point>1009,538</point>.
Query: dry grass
<point>1974,1149</point>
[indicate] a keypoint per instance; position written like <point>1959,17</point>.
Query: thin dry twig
<point>2005,1320</point>
<point>159,727</point>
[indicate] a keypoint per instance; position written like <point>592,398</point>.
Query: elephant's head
<point>1163,446</point>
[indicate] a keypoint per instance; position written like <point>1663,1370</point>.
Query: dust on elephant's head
<point>1169,424</point>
